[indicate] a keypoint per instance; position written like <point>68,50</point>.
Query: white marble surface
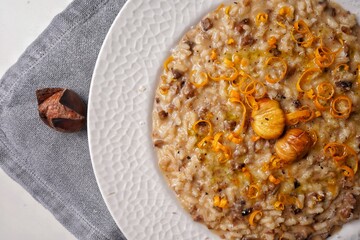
<point>21,217</point>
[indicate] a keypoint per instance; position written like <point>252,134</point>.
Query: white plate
<point>119,119</point>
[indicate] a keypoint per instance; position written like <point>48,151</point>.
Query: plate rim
<point>91,93</point>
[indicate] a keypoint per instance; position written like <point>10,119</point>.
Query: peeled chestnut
<point>294,145</point>
<point>268,121</point>
<point>61,109</point>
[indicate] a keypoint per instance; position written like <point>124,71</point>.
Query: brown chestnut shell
<point>294,145</point>
<point>61,109</point>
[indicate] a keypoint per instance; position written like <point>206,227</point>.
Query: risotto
<point>255,120</point>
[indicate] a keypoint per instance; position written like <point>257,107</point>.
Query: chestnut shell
<point>61,109</point>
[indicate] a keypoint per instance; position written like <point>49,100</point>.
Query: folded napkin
<point>55,168</point>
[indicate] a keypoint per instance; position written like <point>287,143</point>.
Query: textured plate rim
<point>89,111</point>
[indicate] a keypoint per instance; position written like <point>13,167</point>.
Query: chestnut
<point>294,145</point>
<point>61,109</point>
<point>268,121</point>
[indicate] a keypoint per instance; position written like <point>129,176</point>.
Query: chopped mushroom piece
<point>177,73</point>
<point>344,85</point>
<point>163,115</point>
<point>206,24</point>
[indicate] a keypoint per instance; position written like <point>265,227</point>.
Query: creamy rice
<point>287,172</point>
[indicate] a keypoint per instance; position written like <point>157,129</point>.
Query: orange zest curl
<point>285,14</point>
<point>250,88</point>
<point>341,107</point>
<point>272,41</point>
<point>325,91</point>
<point>260,90</point>
<point>213,55</point>
<point>348,172</point>
<point>253,90</point>
<point>304,77</point>
<point>215,144</point>
<point>229,63</point>
<point>337,151</point>
<point>276,162</point>
<point>226,154</point>
<point>341,67</point>
<point>261,18</point>
<point>220,202</point>
<point>246,84</point>
<point>253,215</point>
<point>274,180</point>
<point>304,41</point>
<point>234,96</point>
<point>201,81</point>
<point>311,116</point>
<point>164,90</point>
<point>279,205</point>
<point>218,147</point>
<point>208,123</point>
<point>301,27</point>
<point>167,61</point>
<point>320,104</point>
<point>247,173</point>
<point>230,41</point>
<point>204,142</point>
<point>324,57</point>
<point>295,201</point>
<point>251,102</point>
<point>286,11</point>
<point>283,69</point>
<point>234,136</point>
<point>304,114</point>
<point>303,37</point>
<point>253,191</point>
<point>288,199</point>
<point>294,117</point>
<point>243,119</point>
<point>345,157</point>
<point>310,94</point>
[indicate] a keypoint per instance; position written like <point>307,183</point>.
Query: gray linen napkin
<point>55,168</point>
